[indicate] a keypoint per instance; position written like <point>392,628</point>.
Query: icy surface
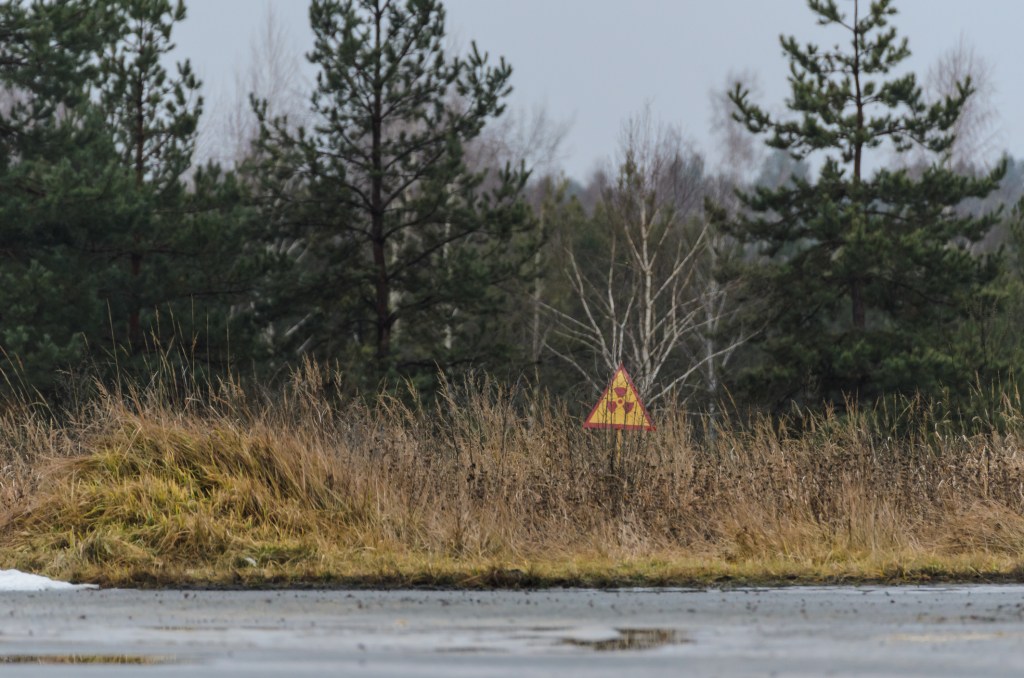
<point>895,632</point>
<point>13,580</point>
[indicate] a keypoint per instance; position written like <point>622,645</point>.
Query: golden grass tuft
<point>491,487</point>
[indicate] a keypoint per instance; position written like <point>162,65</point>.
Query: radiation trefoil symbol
<point>620,406</point>
<point>622,399</point>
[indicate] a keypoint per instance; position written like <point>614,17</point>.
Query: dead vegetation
<point>213,486</point>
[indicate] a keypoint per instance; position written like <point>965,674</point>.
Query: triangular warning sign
<point>620,406</point>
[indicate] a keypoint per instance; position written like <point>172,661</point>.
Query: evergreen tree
<point>45,54</point>
<point>863,279</point>
<point>53,179</point>
<point>399,250</point>
<point>181,262</point>
<point>153,118</point>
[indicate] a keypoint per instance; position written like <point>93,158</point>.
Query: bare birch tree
<point>272,73</point>
<point>534,140</point>
<point>976,131</point>
<point>651,301</point>
<point>740,154</point>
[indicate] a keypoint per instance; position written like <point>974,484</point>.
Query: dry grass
<point>490,488</point>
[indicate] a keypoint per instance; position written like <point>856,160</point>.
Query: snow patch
<point>13,580</point>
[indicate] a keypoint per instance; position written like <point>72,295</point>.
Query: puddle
<point>83,659</point>
<point>632,639</point>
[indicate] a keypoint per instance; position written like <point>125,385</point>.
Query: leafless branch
<point>652,303</point>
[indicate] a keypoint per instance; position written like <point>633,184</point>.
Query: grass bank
<point>489,487</point>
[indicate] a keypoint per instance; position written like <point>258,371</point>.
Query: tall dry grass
<point>178,482</point>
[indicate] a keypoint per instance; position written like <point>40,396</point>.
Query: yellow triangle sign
<point>620,406</point>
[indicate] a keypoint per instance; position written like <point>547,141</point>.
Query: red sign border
<point>649,426</point>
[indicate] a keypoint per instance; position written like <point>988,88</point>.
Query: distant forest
<point>393,223</point>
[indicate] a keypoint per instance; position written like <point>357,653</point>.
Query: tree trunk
<point>134,324</point>
<point>377,236</point>
<point>857,284</point>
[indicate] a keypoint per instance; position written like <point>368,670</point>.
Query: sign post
<point>619,408</point>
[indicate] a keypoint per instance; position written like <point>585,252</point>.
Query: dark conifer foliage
<point>863,277</point>
<point>383,235</point>
<point>181,256</point>
<point>398,250</point>
<point>54,181</point>
<point>111,238</point>
<point>153,117</point>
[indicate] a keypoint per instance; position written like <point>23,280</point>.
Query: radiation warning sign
<point>620,406</point>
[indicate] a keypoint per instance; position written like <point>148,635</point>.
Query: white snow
<point>13,580</point>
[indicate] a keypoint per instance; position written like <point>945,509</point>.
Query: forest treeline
<point>389,233</point>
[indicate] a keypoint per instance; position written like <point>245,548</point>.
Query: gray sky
<point>594,63</point>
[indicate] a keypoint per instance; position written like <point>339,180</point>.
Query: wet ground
<point>840,631</point>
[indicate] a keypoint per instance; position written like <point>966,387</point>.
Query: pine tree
<point>182,256</point>
<point>863,277</point>
<point>400,250</point>
<point>45,55</point>
<point>153,117</point>
<point>53,180</point>
<point>103,222</point>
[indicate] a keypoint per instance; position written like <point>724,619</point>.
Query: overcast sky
<point>594,63</point>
